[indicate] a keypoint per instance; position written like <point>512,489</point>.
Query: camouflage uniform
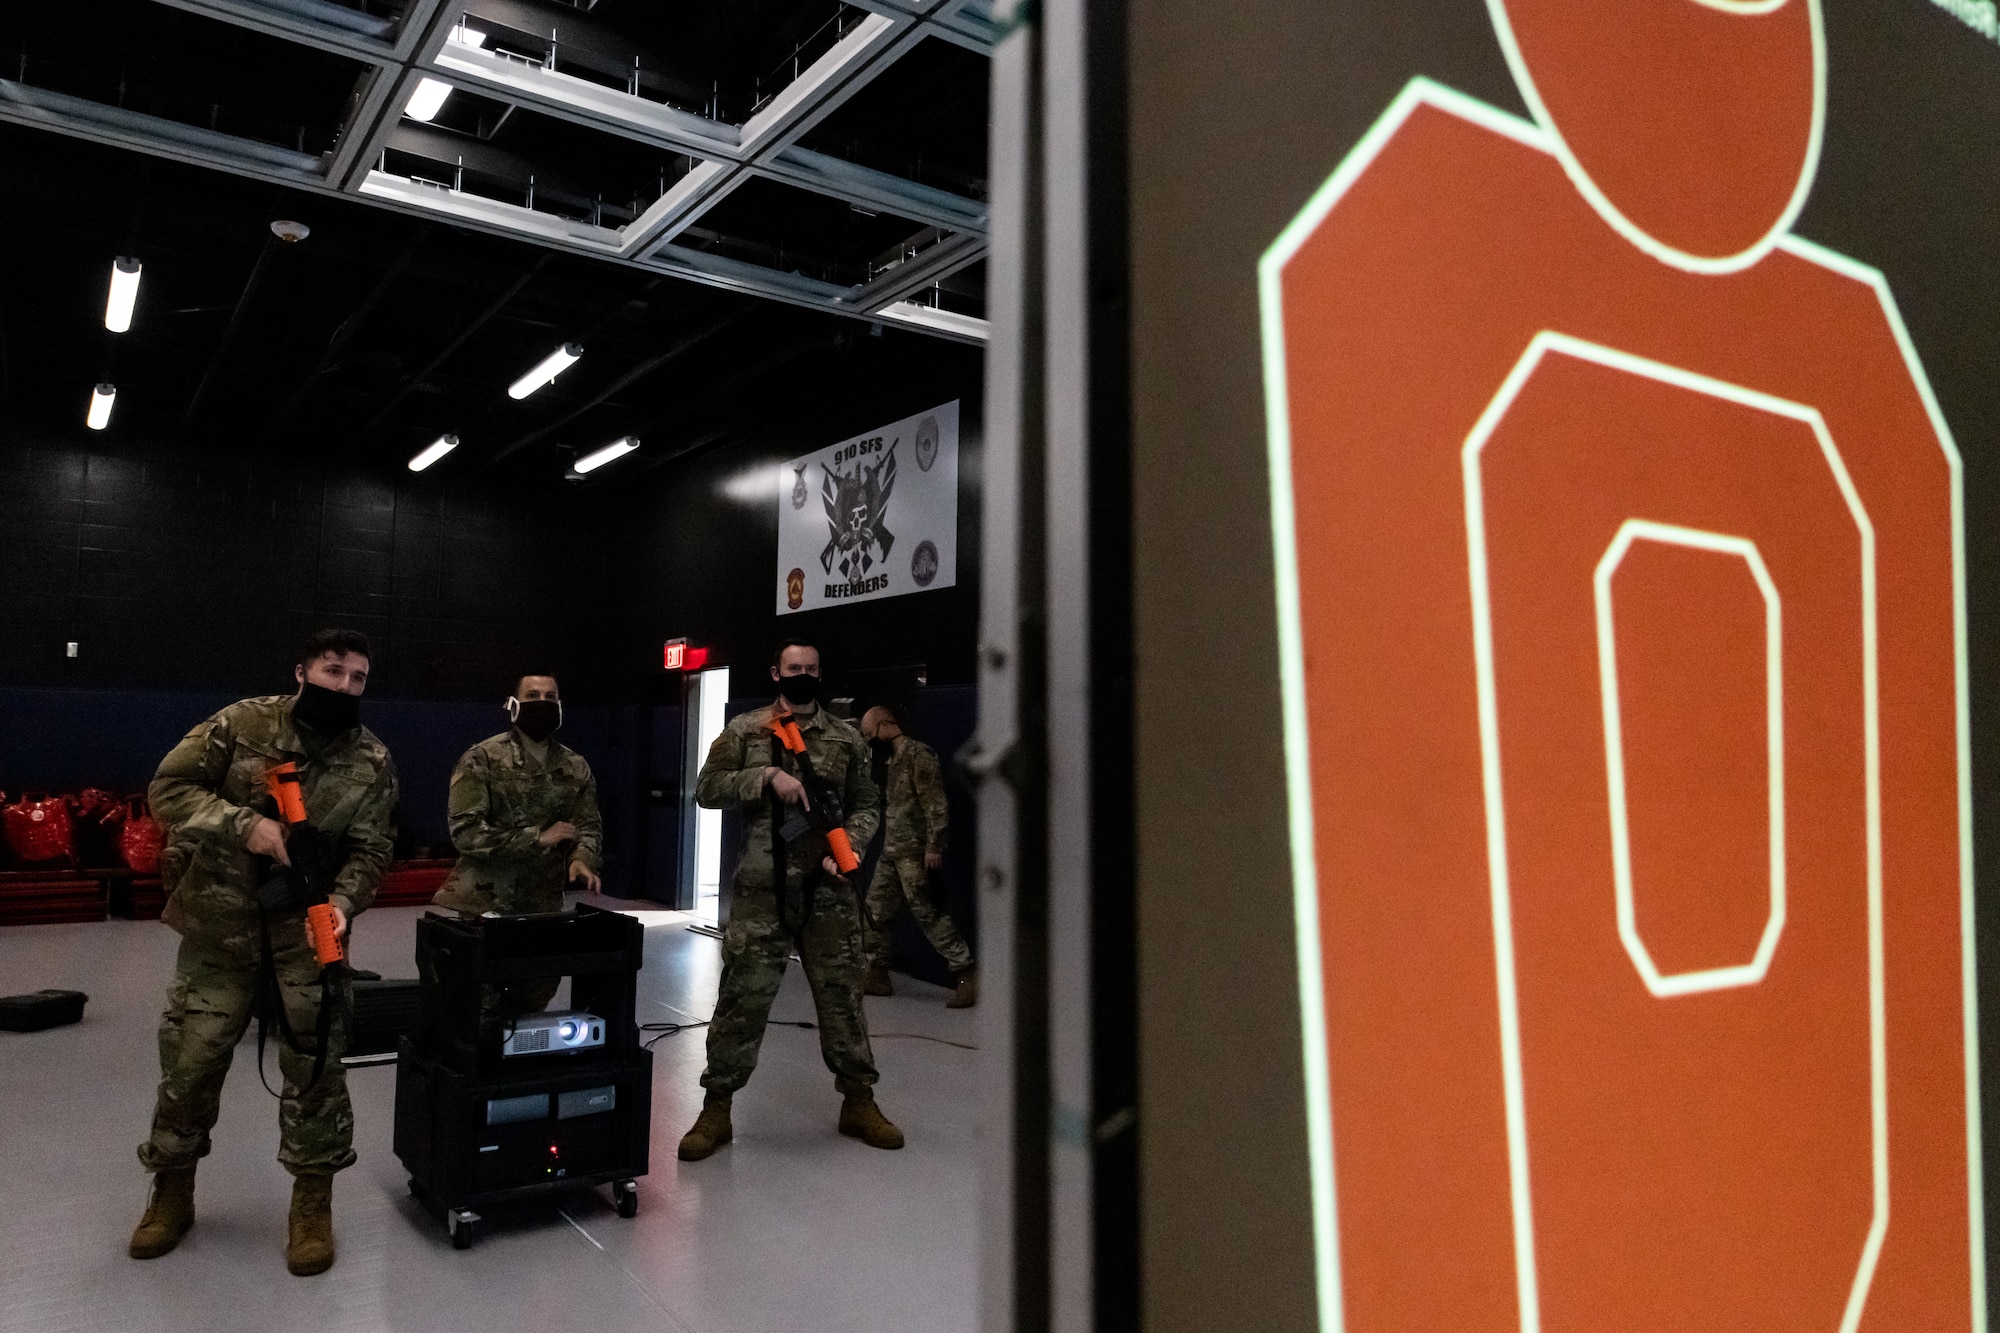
<point>759,936</point>
<point>914,816</point>
<point>209,793</point>
<point>502,797</point>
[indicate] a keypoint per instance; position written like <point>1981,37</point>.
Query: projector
<point>558,1033</point>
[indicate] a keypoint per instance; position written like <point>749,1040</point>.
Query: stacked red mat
<point>412,883</point>
<point>50,897</point>
<point>47,897</point>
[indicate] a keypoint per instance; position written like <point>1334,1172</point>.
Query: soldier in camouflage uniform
<point>525,821</point>
<point>786,896</point>
<point>222,840</point>
<point>913,826</point>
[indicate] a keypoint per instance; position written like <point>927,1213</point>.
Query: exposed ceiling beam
<point>320,24</point>
<point>931,265</point>
<point>877,191</point>
<point>764,145</point>
<point>81,118</point>
<point>378,104</point>
<point>582,102</point>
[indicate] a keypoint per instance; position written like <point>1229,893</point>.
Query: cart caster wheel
<point>625,1194</point>
<point>461,1222</point>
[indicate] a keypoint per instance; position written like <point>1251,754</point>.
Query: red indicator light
<point>696,658</point>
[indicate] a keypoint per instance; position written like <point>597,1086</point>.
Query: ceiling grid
<point>446,41</point>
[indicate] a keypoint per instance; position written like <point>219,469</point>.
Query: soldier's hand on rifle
<point>339,924</point>
<point>787,788</point>
<point>560,831</point>
<point>578,871</point>
<point>831,866</point>
<point>267,838</point>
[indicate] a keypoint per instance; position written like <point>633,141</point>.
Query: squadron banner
<point>874,516</point>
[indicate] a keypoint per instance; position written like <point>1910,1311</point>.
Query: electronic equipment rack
<point>475,1129</point>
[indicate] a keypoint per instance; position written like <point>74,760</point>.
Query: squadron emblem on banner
<point>857,507</point>
<point>845,545</point>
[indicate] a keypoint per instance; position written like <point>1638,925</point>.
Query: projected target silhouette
<point>1620,571</point>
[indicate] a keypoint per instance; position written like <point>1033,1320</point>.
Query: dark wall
<point>182,569</point>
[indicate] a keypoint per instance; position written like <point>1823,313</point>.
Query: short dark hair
<point>342,641</point>
<point>515,688</point>
<point>778,656</point>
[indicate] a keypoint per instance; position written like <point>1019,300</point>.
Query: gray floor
<point>792,1227</point>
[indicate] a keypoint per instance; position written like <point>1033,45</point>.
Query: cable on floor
<point>661,1031</point>
<point>925,1036</point>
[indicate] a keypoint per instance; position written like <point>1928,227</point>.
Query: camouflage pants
<point>754,951</point>
<point>208,1008</point>
<point>903,879</point>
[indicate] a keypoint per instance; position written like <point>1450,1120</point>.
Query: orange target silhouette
<point>1621,587</point>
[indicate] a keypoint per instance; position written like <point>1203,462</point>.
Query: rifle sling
<point>269,997</point>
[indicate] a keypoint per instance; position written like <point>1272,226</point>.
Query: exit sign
<point>679,657</point>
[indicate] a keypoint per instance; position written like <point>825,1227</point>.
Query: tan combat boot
<point>861,1118</point>
<point>876,981</point>
<point>310,1248</point>
<point>967,993</point>
<point>169,1214</point>
<point>711,1130</point>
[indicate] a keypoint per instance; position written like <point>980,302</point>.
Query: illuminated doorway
<point>708,695</point>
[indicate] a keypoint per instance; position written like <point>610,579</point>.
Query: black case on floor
<point>42,1009</point>
<point>474,1128</point>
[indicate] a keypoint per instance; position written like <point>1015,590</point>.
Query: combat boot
<point>967,993</point>
<point>169,1214</point>
<point>876,981</point>
<point>711,1130</point>
<point>861,1118</point>
<point>310,1248</point>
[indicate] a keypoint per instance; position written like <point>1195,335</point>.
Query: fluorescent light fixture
<point>611,452</point>
<point>433,451</point>
<point>429,97</point>
<point>552,365</point>
<point>101,399</point>
<point>124,294</point>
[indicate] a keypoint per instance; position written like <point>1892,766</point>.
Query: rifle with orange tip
<point>821,809</point>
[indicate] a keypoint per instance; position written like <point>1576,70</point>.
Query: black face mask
<point>538,719</point>
<point>883,746</point>
<point>799,689</point>
<point>328,712</point>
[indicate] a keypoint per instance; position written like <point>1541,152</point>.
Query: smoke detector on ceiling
<point>291,233</point>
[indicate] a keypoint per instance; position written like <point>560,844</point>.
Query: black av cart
<point>482,1115</point>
